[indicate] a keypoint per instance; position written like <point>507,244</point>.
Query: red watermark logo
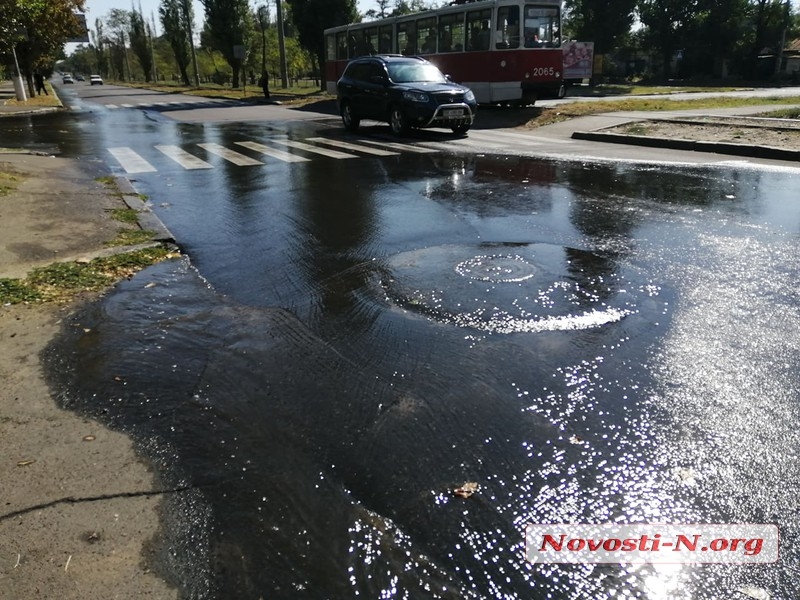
<point>611,543</point>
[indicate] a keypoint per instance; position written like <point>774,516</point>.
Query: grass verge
<point>8,182</point>
<point>547,116</point>
<point>62,282</point>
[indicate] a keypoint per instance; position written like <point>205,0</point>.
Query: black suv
<point>405,91</point>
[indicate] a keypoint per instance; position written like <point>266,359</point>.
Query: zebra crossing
<point>173,104</point>
<point>295,151</point>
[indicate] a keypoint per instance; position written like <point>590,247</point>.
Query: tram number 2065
<point>544,71</point>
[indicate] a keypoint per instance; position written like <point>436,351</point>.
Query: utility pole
<point>152,46</point>
<point>263,21</point>
<point>187,17</point>
<point>779,52</point>
<point>282,45</point>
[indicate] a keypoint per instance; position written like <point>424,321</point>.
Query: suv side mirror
<point>448,77</point>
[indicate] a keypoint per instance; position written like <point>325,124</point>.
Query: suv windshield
<point>402,72</point>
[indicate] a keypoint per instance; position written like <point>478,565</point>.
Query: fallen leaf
<point>754,592</point>
<point>25,463</point>
<point>466,490</point>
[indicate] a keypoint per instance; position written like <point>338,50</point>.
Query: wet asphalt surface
<point>348,340</point>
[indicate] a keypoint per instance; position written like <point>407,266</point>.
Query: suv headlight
<point>469,96</point>
<point>413,96</point>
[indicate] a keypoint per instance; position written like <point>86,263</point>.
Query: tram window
<point>341,45</point>
<point>427,33</point>
<point>370,40</point>
<point>479,31</point>
<point>507,27</point>
<point>407,38</point>
<point>541,27</point>
<point>385,45</point>
<point>451,33</point>
<point>330,47</point>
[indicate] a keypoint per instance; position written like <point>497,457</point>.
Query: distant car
<point>79,78</point>
<point>96,80</point>
<point>405,91</point>
<point>67,79</point>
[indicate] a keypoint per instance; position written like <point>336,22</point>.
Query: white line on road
<point>494,135</point>
<point>279,154</point>
<point>131,161</point>
<point>183,158</point>
<point>315,149</point>
<point>349,146</point>
<point>398,146</point>
<point>126,105</point>
<point>231,155</point>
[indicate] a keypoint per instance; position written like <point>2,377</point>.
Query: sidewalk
<point>79,509</point>
<point>7,93</point>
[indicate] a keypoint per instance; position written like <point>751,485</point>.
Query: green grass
<point>61,282</point>
<point>8,182</point>
<point>641,90</point>
<point>213,90</point>
<point>563,112</point>
<point>786,113</point>
<point>131,237</point>
<point>125,215</point>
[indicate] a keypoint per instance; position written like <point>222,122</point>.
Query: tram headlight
<point>413,96</point>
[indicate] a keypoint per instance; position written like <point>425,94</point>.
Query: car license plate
<point>453,112</point>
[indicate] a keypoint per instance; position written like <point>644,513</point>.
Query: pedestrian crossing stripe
<point>231,155</point>
<point>350,146</point>
<point>183,158</point>
<point>279,154</point>
<point>131,161</point>
<point>315,149</point>
<point>397,146</point>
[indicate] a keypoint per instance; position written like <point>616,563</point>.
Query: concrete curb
<point>765,152</point>
<point>148,220</point>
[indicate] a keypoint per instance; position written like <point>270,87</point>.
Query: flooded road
<point>351,340</point>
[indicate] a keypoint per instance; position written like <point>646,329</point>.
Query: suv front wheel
<point>350,121</point>
<point>398,121</point>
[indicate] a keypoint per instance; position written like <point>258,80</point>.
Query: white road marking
<point>398,146</point>
<point>111,106</point>
<point>495,135</point>
<point>231,155</point>
<point>279,154</point>
<point>349,146</point>
<point>315,149</point>
<point>131,161</point>
<point>126,105</point>
<point>183,158</point>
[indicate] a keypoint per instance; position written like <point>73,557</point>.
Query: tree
<point>139,35</point>
<point>313,17</point>
<point>604,22</point>
<point>38,29</point>
<point>406,7</point>
<point>382,12</point>
<point>668,23</point>
<point>177,31</point>
<point>229,27</point>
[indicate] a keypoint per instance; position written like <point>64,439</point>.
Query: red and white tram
<point>504,50</point>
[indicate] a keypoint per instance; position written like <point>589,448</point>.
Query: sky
<point>99,8</point>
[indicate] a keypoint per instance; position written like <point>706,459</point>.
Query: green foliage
<point>60,282</point>
<point>177,19</point>
<point>228,24</point>
<point>38,29</point>
<point>604,22</point>
<point>139,35</point>
<point>312,17</point>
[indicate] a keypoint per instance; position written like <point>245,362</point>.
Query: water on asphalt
<point>351,341</point>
